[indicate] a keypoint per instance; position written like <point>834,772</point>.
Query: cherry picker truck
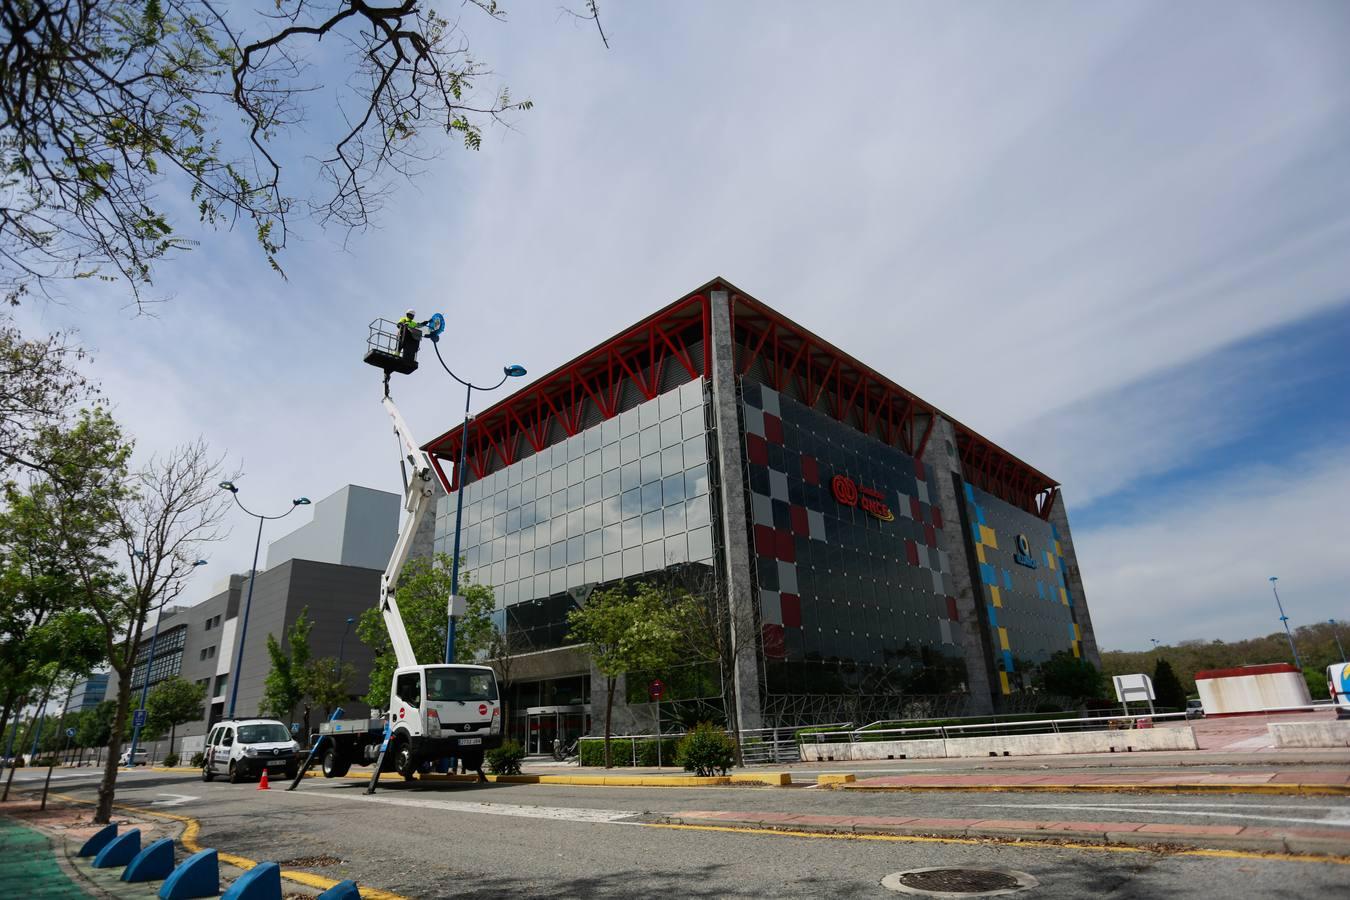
<point>435,710</point>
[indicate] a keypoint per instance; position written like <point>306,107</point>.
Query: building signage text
<point>872,501</point>
<point>1022,555</point>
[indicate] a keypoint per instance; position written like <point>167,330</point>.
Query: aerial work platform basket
<point>393,347</point>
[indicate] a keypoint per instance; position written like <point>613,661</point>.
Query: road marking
<point>556,813</point>
<point>192,828</point>
<point>1339,819</point>
<point>1020,842</point>
<point>176,799</point>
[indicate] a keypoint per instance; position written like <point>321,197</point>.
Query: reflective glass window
<point>613,566</point>
<point>651,496</point>
<point>632,533</point>
<point>631,475</point>
<point>610,511</point>
<point>629,449</point>
<point>592,490</point>
<point>648,414</point>
<point>592,439</point>
<point>594,546</point>
<point>669,404</point>
<point>609,457</point>
<point>609,484</point>
<point>576,471</point>
<point>632,561</point>
<point>613,538</point>
<point>632,503</point>
<point>592,517</point>
<point>651,440</point>
<point>672,489</point>
<point>653,526</point>
<point>576,549</point>
<point>696,514</point>
<point>672,460</point>
<point>651,468</point>
<point>557,556</point>
<point>696,481</point>
<point>700,544</point>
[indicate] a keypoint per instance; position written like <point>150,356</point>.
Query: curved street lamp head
<point>229,486</point>
<point>139,554</point>
<point>1274,578</point>
<point>514,371</point>
<point>200,562</point>
<point>351,619</point>
<point>300,501</point>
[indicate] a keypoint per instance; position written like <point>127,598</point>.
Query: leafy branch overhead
<point>105,103</point>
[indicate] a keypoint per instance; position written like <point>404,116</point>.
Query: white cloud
<point>1195,564</point>
<point>1005,211</point>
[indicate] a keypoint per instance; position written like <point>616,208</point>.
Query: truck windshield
<point>260,734</point>
<point>461,684</point>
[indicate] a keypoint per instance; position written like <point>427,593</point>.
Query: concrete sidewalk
<point>1329,842</point>
<point>1323,782</point>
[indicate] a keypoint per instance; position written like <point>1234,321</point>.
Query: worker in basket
<point>409,334</point>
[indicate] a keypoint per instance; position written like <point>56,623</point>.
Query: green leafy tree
<point>627,628</point>
<point>326,683</point>
<point>95,726</point>
<point>117,115</point>
<point>1065,675</point>
<point>284,688</point>
<point>423,597</point>
<point>173,702</point>
<point>1167,689</point>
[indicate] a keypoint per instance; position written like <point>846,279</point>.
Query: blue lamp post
<point>248,603</point>
<point>1335,632</point>
<point>507,372</point>
<point>139,720</point>
<point>1285,620</point>
<point>342,644</point>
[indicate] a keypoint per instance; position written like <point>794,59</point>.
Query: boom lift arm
<point>419,496</point>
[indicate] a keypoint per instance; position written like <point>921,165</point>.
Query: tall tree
<point>627,628</point>
<point>423,596</point>
<point>158,520</point>
<point>1065,675</point>
<point>284,688</point>
<point>174,701</point>
<point>39,384</point>
<point>105,104</point>
<point>325,682</point>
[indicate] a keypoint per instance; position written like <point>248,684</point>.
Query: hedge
<point>592,751</point>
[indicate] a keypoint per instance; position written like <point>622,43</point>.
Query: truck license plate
<point>464,742</point>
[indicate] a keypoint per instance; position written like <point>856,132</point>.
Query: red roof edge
<point>1239,671</point>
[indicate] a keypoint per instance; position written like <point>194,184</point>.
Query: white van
<point>243,748</point>
<point>1338,688</point>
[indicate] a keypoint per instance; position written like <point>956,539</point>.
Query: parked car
<point>1195,709</point>
<point>244,748</point>
<point>142,757</point>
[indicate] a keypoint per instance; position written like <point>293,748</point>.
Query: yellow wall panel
<point>1003,638</point>
<point>979,552</point>
<point>987,536</point>
<point>1003,682</point>
<point>996,596</point>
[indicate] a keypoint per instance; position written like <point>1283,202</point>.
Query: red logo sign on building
<point>872,501</point>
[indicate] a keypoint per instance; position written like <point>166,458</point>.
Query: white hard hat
<point>411,313</point>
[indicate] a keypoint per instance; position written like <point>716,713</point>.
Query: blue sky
<point>1114,238</point>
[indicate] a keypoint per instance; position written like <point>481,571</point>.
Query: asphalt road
<point>444,840</point>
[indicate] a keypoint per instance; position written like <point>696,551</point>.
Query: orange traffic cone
<point>262,785</point>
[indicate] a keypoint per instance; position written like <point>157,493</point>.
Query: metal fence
<point>984,729</point>
<point>758,745</point>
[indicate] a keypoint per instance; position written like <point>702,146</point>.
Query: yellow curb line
<point>1016,842</point>
<point>1285,790</point>
<point>192,828</point>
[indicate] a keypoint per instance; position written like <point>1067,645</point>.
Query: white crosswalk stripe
<point>557,813</point>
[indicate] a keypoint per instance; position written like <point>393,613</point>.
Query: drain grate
<point>955,882</point>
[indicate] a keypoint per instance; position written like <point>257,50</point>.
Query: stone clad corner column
<point>1059,517</point>
<point>735,514</point>
<point>942,456</point>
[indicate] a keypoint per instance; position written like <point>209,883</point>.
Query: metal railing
<point>983,729</point>
<point>758,745</point>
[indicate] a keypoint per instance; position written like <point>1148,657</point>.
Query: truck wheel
<point>335,765</point>
<point>207,774</point>
<point>403,761</point>
<point>236,776</point>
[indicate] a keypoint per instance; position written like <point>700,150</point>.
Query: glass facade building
<point>883,559</point>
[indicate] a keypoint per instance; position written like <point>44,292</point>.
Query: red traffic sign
<point>657,689</point>
<point>482,709</point>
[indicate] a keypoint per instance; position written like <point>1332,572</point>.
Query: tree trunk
<point>108,786</point>
<point>37,717</point>
<point>609,712</point>
<point>173,730</point>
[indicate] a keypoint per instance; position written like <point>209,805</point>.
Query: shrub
<point>44,762</point>
<point>18,762</point>
<point>506,759</point>
<point>706,750</point>
<point>198,760</point>
<point>592,752</point>
<point>170,760</point>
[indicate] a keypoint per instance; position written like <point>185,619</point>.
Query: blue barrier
<point>151,864</point>
<point>343,890</point>
<point>99,839</point>
<point>120,850</point>
<point>196,876</point>
<point>262,882</point>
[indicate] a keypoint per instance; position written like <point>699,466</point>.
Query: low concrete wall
<point>1136,739</point>
<point>1311,734</point>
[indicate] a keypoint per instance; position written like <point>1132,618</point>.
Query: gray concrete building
<point>876,557</point>
<point>201,643</point>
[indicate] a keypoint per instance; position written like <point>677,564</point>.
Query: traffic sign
<point>138,718</point>
<point>656,689</point>
<point>70,732</point>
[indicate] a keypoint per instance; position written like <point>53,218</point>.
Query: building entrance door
<point>547,723</point>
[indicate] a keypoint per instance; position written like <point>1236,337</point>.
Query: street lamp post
<point>1285,620</point>
<point>1335,633</point>
<point>253,576</point>
<point>342,644</point>
<point>1156,643</point>
<point>145,681</point>
<point>507,372</point>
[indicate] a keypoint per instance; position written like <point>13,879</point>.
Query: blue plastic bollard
<point>196,876</point>
<point>120,850</point>
<point>262,882</point>
<point>343,890</point>
<point>151,864</point>
<point>99,839</point>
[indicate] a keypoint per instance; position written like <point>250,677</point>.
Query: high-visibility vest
<point>406,320</point>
